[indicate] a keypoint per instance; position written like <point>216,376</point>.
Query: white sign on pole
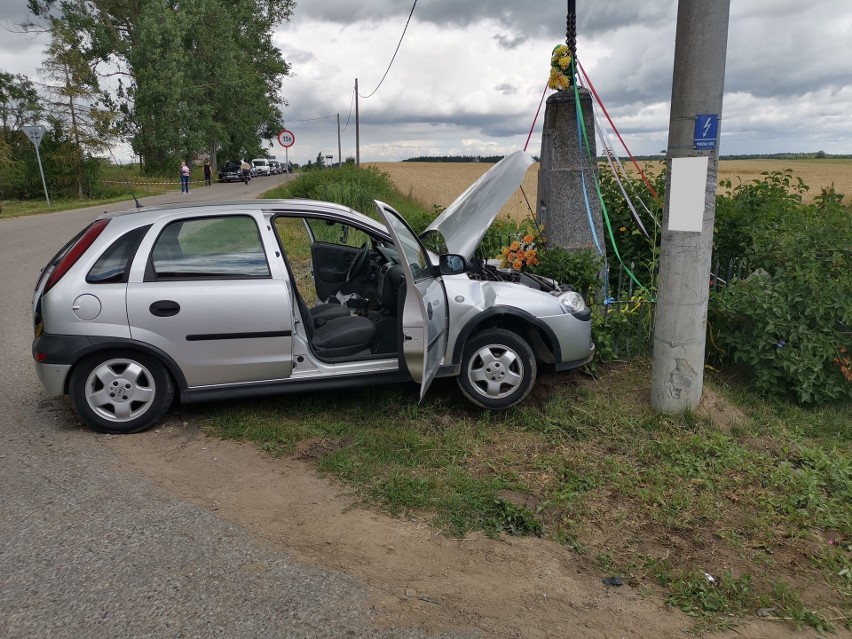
<point>688,193</point>
<point>35,132</point>
<point>286,139</point>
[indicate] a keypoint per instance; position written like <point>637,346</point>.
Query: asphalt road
<point>89,548</point>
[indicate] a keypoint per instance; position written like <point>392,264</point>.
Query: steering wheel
<point>359,264</point>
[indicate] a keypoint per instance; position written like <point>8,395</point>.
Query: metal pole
<point>339,155</point>
<point>677,374</point>
<point>357,128</point>
<point>43,181</point>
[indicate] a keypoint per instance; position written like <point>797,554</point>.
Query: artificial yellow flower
<point>517,264</point>
<point>553,82</point>
<point>531,253</point>
<point>510,256</point>
<point>505,250</point>
<point>528,239</point>
<point>519,255</point>
<point>565,61</point>
<point>623,229</point>
<point>514,246</point>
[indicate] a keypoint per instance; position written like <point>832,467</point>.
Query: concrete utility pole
<point>687,242</point>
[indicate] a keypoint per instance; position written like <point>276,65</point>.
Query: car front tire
<point>498,369</point>
<point>120,393</point>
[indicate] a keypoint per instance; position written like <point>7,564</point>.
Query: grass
<point>112,188</point>
<point>763,504</point>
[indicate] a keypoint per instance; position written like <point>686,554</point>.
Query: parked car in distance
<point>261,165</point>
<point>195,302</point>
<point>230,172</point>
<point>275,167</point>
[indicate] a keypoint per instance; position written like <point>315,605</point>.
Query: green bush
<point>789,321</point>
<point>355,187</point>
<point>581,269</point>
<point>634,247</point>
<point>752,209</point>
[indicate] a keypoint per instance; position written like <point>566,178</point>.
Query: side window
<point>411,249</point>
<point>227,247</point>
<point>113,265</point>
<point>329,232</point>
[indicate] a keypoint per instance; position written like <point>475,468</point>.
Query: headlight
<point>572,302</point>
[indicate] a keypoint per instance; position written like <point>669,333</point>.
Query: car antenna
<point>124,175</point>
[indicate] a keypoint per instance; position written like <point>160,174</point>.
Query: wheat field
<point>439,183</point>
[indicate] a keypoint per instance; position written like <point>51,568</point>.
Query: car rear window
<point>226,247</point>
<point>113,266</point>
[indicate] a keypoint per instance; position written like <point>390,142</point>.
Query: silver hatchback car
<point>243,299</point>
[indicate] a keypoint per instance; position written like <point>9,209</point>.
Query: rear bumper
<point>53,378</point>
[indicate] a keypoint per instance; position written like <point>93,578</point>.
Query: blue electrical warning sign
<point>706,131</point>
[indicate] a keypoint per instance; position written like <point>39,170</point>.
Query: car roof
<point>150,214</point>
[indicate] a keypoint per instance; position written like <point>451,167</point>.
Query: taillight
<point>70,258</point>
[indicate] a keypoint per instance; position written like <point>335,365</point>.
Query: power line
<point>394,53</point>
<point>322,117</point>
<point>351,103</point>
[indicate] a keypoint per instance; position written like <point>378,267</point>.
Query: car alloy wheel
<point>498,369</point>
<point>121,393</point>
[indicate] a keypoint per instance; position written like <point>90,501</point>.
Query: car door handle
<point>164,308</point>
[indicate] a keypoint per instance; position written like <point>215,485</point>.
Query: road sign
<point>706,131</point>
<point>286,139</point>
<point>35,133</point>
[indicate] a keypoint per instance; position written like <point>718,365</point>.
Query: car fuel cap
<point>87,307</point>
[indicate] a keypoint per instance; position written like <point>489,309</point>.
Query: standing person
<point>246,167</point>
<point>207,172</point>
<point>184,177</point>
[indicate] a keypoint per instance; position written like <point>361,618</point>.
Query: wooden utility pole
<point>357,128</point>
<point>677,375</point>
<point>339,158</point>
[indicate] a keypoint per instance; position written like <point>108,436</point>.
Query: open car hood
<point>464,222</point>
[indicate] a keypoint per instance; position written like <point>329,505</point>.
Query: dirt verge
<point>513,587</point>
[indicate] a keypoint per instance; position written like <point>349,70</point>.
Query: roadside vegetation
<point>110,183</point>
<point>741,508</point>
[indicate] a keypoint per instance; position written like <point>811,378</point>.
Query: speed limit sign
<point>286,138</point>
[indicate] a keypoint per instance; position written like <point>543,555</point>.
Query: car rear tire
<point>498,369</point>
<point>120,393</point>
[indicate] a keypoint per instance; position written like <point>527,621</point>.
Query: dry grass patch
<point>439,183</point>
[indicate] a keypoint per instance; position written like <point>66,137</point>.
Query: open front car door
<point>424,316</point>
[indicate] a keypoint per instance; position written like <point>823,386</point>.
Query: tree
<point>19,104</point>
<point>73,100</point>
<point>320,161</point>
<point>188,76</point>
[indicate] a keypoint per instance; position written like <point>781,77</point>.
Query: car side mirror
<point>450,264</point>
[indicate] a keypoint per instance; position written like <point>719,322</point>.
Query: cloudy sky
<point>470,73</point>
